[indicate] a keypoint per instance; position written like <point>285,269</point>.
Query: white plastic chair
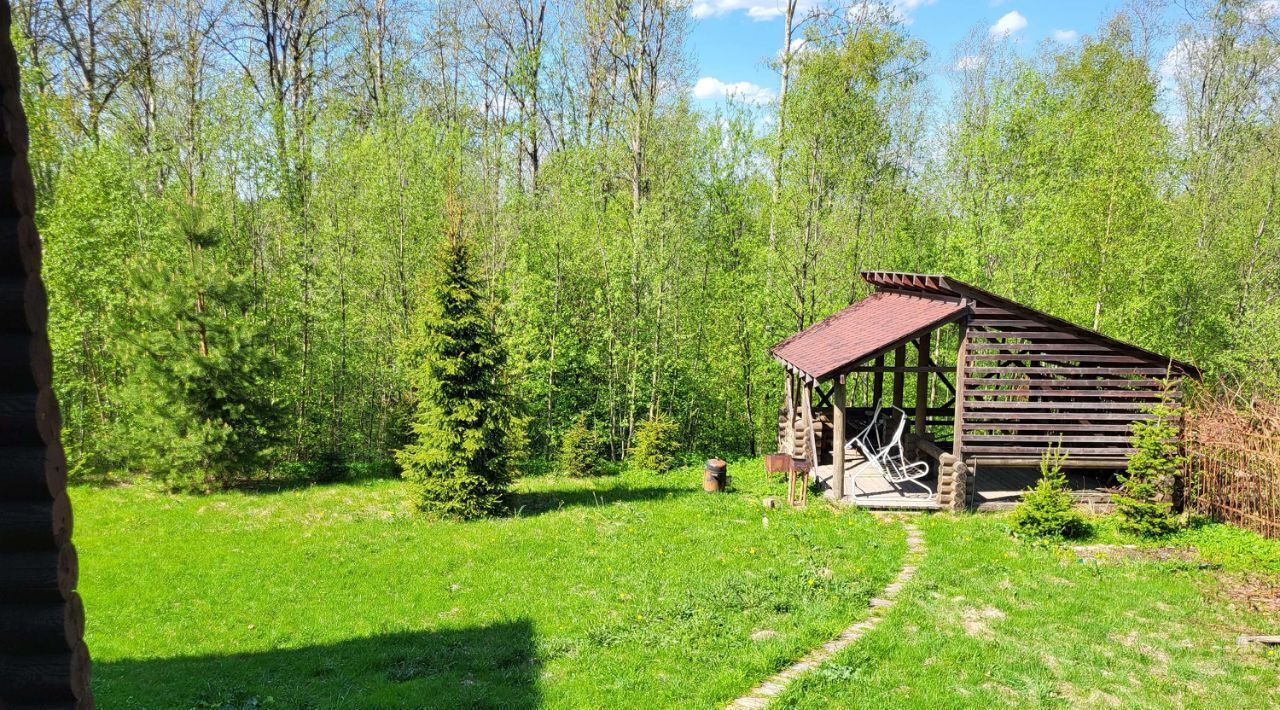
<point>890,460</point>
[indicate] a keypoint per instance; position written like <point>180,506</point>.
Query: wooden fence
<point>1232,465</point>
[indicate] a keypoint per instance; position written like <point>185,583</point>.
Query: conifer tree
<point>199,397</point>
<point>459,458</point>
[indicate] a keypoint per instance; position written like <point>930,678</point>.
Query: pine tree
<point>1146,486</point>
<point>460,457</point>
<point>199,402</point>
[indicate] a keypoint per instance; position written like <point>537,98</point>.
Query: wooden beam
<point>1056,416</point>
<point>877,382</point>
<point>1114,452</point>
<point>837,437</point>
<point>900,370</point>
<point>899,376</point>
<point>789,432</point>
<point>962,349</point>
<point>1078,462</point>
<point>1092,406</point>
<point>1154,385</point>
<point>1117,394</point>
<point>1016,370</point>
<point>1058,357</point>
<point>922,384</point>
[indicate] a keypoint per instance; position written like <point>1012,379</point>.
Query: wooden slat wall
<point>43,659</point>
<point>1029,385</point>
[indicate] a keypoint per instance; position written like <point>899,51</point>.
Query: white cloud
<point>758,10</point>
<point>709,87</point>
<point>971,61</point>
<point>766,10</point>
<point>1181,58</point>
<point>1009,24</point>
<point>797,46</point>
<point>1259,12</point>
<point>1066,36</point>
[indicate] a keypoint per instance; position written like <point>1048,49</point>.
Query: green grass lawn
<point>627,591</point>
<point>993,622</point>
<point>641,591</point>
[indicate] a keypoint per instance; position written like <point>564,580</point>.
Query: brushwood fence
<point>1232,463</point>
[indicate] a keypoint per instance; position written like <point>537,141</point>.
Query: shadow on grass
<point>537,502</point>
<point>485,667</point>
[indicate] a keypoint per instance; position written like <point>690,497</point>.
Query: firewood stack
<point>43,659</point>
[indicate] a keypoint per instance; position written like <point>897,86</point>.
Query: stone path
<point>764,693</point>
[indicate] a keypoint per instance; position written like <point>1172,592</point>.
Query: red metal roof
<point>864,329</point>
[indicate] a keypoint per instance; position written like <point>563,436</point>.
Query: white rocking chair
<point>889,460</point>
<point>871,434</point>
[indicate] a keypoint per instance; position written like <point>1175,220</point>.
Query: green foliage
<point>199,405</point>
<point>655,445</point>
<point>1045,511</point>
<point>581,449</point>
<point>1144,506</point>
<point>459,460</point>
<point>644,251</point>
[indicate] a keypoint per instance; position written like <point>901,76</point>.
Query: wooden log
<point>1039,347</point>
<point>19,247</point>
<point>23,305</point>
<point>26,362</point>
<point>47,677</point>
<point>42,627</point>
<point>38,576</point>
<point>17,189</point>
<point>32,472</point>
<point>29,419</point>
<point>14,137</point>
<point>35,524</point>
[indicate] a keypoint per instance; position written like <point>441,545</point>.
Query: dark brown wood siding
<point>1029,384</point>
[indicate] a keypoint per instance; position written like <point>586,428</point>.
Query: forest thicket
<point>241,200</point>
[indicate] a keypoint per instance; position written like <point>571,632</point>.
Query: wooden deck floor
<point>998,487</point>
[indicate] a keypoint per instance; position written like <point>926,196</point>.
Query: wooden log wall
<point>800,435</point>
<point>1029,384</point>
<point>43,659</point>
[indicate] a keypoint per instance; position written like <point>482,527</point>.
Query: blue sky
<point>732,40</point>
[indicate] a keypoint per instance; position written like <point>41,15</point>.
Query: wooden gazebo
<point>1022,381</point>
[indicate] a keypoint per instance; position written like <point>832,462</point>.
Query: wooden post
<point>962,352</point>
<point>958,475</point>
<point>837,437</point>
<point>922,385</point>
<point>899,377</point>
<point>877,382</point>
<point>806,404</point>
<point>789,403</point>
